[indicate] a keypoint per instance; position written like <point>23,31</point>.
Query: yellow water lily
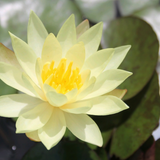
<point>64,79</point>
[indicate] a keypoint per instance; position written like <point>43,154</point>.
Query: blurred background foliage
<point>127,135</point>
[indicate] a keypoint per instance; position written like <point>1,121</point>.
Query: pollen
<point>63,78</point>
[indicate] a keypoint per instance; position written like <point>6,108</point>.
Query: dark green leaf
<point>157,152</point>
<point>64,150</point>
<point>5,89</point>
<point>138,128</point>
<point>143,55</point>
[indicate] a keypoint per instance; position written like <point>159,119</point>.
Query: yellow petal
<point>76,54</point>
<point>118,93</point>
<point>106,105</point>
<point>77,107</point>
<point>108,81</point>
<point>33,136</point>
<point>98,61</point>
<point>53,130</point>
<point>91,39</point>
<point>12,76</point>
<point>15,104</point>
<point>118,57</point>
<point>34,118</point>
<point>26,56</point>
<point>67,35</point>
<point>36,33</point>
<point>7,56</point>
<point>83,127</point>
<point>51,50</point>
<point>82,27</point>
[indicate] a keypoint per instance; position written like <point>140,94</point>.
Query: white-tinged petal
<point>118,93</point>
<point>106,105</point>
<point>67,35</point>
<point>91,38</point>
<point>33,136</point>
<point>77,107</point>
<point>36,34</point>
<point>38,69</point>
<point>98,61</point>
<point>82,27</point>
<point>83,127</point>
<point>54,98</point>
<point>108,81</point>
<point>53,130</point>
<point>34,118</point>
<point>76,54</point>
<point>118,57</point>
<point>15,104</point>
<point>7,56</point>
<point>88,89</point>
<point>71,95</point>
<point>25,56</point>
<point>33,87</point>
<point>12,76</point>
<point>51,50</point>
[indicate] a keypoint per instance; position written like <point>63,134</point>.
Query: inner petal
<point>63,78</point>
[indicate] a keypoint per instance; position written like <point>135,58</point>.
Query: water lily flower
<point>64,80</point>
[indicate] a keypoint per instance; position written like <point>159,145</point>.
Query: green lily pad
<point>5,89</point>
<point>138,128</point>
<point>97,11</point>
<point>127,7</point>
<point>148,14</point>
<point>64,150</point>
<point>143,55</point>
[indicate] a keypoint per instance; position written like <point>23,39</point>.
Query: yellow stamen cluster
<point>61,78</point>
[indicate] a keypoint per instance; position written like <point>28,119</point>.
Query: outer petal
<point>118,93</point>
<point>12,76</point>
<point>76,54</point>
<point>51,50</point>
<point>38,69</point>
<point>98,61</point>
<point>54,98</point>
<point>91,39</point>
<point>117,58</point>
<point>82,27</point>
<point>7,56</point>
<point>34,118</point>
<point>77,107</point>
<point>106,105</point>
<point>14,105</point>
<point>33,136</point>
<point>88,89</point>
<point>83,127</point>
<point>26,56</point>
<point>108,81</point>
<point>36,34</point>
<point>54,129</point>
<point>67,34</point>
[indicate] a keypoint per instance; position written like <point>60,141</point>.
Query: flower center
<point>62,79</point>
